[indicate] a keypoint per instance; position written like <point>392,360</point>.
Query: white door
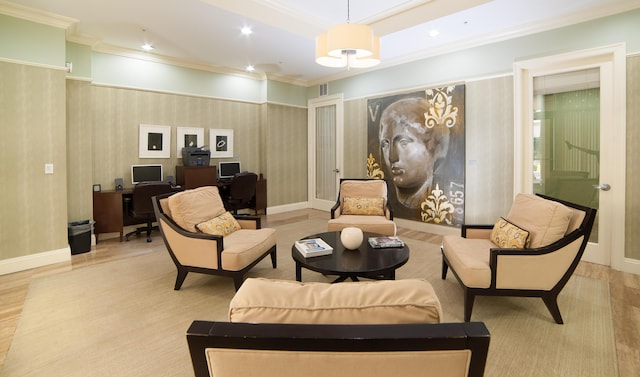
<point>570,131</point>
<point>325,150</point>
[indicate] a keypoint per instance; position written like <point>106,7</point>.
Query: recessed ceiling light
<point>434,33</point>
<point>250,68</point>
<point>147,47</point>
<point>246,30</point>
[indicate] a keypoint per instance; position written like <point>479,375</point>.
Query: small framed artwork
<point>221,142</point>
<point>188,137</point>
<point>154,141</point>
<point>97,188</point>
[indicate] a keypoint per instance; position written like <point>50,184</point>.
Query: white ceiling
<point>207,32</point>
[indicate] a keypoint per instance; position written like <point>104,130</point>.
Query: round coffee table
<point>365,262</point>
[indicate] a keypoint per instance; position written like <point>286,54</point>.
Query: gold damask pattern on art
<point>441,111</point>
<point>436,208</point>
<point>373,168</point>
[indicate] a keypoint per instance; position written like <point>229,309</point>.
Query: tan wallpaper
<point>118,114</point>
<point>489,149</point>
<point>355,145</point>
<point>79,150</point>
<point>33,206</point>
<point>286,154</point>
<point>632,213</point>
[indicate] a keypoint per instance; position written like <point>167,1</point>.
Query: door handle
<point>603,187</point>
<point>336,170</point>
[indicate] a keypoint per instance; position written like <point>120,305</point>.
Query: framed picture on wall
<point>188,137</point>
<point>155,141</point>
<point>221,142</point>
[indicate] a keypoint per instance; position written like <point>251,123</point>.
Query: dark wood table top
<point>362,262</point>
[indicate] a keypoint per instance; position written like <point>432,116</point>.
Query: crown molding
<point>128,53</point>
<point>35,15</point>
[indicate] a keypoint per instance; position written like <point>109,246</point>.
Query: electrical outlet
<point>48,168</point>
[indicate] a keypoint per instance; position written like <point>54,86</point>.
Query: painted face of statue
<point>410,150</point>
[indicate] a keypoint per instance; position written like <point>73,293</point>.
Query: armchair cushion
<point>363,206</point>
<point>546,220</point>
<point>508,235</point>
<point>222,225</point>
<point>370,302</point>
<point>192,207</point>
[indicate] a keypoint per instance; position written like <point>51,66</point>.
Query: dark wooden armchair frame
<point>183,270</point>
<point>472,336</point>
<point>549,297</point>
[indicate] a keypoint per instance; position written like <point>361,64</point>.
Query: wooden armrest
<point>476,230</point>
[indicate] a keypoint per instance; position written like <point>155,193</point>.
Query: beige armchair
<point>201,236</point>
<point>531,253</point>
<point>364,204</point>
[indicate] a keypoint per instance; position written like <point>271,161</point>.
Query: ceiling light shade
<point>348,45</point>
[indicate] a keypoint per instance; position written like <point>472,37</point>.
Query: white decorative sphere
<point>351,237</point>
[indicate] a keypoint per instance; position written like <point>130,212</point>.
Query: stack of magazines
<point>313,247</point>
<point>385,241</point>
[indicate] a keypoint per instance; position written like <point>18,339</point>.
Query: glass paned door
<point>566,138</point>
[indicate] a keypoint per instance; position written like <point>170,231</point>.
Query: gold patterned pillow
<point>222,225</point>
<point>508,235</point>
<point>363,206</point>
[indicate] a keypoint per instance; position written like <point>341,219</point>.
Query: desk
<point>110,212</point>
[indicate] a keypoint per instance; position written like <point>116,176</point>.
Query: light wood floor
<point>624,287</point>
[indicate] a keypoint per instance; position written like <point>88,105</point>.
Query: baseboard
<point>8,266</point>
<point>288,207</point>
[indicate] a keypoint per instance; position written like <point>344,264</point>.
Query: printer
<point>195,156</point>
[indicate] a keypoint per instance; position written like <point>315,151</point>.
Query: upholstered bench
<point>367,302</point>
<point>360,329</point>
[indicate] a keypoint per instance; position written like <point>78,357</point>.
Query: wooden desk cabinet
<point>191,177</point>
<point>110,212</point>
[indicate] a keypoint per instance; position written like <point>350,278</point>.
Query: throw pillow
<point>508,235</point>
<point>363,206</point>
<point>222,225</point>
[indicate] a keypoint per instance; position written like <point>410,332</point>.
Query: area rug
<point>123,318</point>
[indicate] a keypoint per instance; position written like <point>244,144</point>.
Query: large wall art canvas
<point>416,143</point>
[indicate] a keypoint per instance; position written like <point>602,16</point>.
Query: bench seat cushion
<point>369,302</point>
<point>373,224</point>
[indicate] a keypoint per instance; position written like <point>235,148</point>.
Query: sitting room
<point>439,116</point>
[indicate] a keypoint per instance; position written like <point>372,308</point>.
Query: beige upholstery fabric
<point>191,207</point>
<point>191,251</point>
<point>469,258</point>
<point>545,220</point>
<point>245,246</point>
<point>374,224</point>
<point>233,363</point>
<point>535,271</point>
<point>240,248</point>
<point>374,188</point>
<point>370,302</point>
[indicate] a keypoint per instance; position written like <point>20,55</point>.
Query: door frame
<point>336,100</point>
<point>612,63</point>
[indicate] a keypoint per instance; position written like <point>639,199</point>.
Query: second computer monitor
<point>227,169</point>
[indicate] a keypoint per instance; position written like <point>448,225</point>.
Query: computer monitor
<point>145,173</point>
<point>227,169</point>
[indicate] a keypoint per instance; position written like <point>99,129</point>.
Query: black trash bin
<point>79,233</point>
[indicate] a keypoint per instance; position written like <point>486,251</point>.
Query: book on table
<point>385,242</point>
<point>313,247</point>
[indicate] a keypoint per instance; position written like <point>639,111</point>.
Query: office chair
<point>241,190</point>
<point>141,206</point>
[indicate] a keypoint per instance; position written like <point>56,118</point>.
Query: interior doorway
<point>325,150</point>
<point>570,127</point>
